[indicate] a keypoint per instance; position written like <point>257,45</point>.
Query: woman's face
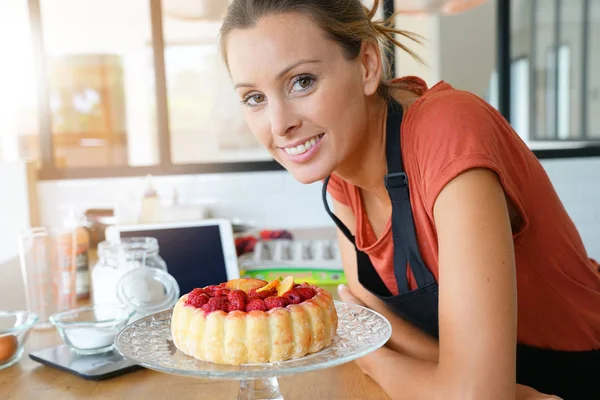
<point>303,100</point>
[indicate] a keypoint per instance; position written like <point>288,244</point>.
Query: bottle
<point>150,208</point>
<point>82,248</point>
<point>64,270</point>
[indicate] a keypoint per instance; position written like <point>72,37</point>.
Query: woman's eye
<point>254,99</point>
<point>303,83</point>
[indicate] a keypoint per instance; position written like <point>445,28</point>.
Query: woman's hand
<point>347,296</point>
<point>527,393</point>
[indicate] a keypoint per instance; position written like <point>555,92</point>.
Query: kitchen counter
<point>31,380</point>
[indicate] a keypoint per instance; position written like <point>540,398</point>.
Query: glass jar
<point>133,273</point>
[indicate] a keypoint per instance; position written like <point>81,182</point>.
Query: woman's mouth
<point>304,147</point>
<point>304,151</point>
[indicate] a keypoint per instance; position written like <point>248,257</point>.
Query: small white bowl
<point>91,330</point>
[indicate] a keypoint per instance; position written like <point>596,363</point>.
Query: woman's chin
<point>308,174</point>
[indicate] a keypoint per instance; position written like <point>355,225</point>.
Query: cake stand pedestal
<point>267,388</point>
<point>148,343</point>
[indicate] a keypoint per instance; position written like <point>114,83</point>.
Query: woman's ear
<point>370,57</point>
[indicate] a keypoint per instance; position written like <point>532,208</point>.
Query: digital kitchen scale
<point>93,367</point>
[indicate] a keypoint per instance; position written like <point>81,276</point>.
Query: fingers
<point>346,295</point>
<point>528,393</point>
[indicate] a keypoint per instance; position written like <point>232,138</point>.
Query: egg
<point>8,347</point>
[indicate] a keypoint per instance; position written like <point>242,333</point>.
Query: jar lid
<point>148,290</point>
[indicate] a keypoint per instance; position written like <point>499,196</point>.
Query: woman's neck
<point>366,166</point>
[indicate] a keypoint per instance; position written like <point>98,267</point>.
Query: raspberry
<point>210,290</point>
<point>221,292</point>
<point>237,304</point>
<point>236,294</point>
<point>293,296</point>
<point>256,304</point>
<point>222,284</point>
<point>276,301</point>
<point>197,298</point>
<point>262,295</point>
<point>305,284</point>
<point>306,292</point>
<point>215,304</point>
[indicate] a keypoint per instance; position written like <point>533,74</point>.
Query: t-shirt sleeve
<point>456,131</point>
<point>337,190</point>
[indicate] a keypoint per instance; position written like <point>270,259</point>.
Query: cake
<point>249,321</point>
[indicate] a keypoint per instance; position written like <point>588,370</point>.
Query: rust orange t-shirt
<point>448,131</point>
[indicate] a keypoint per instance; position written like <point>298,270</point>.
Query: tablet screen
<point>194,254</point>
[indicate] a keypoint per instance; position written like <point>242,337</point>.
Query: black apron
<point>570,375</point>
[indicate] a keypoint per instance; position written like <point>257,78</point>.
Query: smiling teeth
<point>303,148</point>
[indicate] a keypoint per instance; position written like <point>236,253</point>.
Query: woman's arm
<point>478,293</point>
<point>477,303</point>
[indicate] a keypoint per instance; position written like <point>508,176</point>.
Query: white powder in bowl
<point>91,338</point>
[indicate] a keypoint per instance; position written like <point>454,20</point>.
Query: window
<point>519,100</point>
<point>591,76</point>
<point>206,122</point>
<point>19,128</point>
<point>558,92</point>
<point>520,96</point>
<point>100,79</point>
<point>555,44</point>
<point>102,88</point>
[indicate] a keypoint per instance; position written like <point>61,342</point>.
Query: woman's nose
<point>283,119</point>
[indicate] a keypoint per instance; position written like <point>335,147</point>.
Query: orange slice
<point>285,285</point>
<point>245,284</point>
<point>269,286</point>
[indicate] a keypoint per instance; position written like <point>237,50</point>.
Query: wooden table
<point>31,380</point>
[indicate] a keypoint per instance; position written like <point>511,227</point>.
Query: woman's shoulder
<point>444,114</point>
<point>448,131</point>
<point>444,99</point>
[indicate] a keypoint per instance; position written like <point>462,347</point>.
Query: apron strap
<point>367,275</point>
<point>406,249</point>
<point>335,219</point>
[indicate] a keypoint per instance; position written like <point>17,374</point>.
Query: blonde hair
<point>347,22</point>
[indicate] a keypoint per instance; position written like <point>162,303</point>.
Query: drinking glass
<point>49,271</point>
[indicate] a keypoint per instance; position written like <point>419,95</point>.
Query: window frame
<point>48,170</point>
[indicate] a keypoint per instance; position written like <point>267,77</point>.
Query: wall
<point>577,182</point>
<point>275,200</point>
<point>269,199</point>
<point>466,48</point>
<point>406,65</point>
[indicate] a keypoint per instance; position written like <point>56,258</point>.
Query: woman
<point>448,224</point>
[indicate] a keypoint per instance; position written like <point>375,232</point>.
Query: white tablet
<point>197,253</point>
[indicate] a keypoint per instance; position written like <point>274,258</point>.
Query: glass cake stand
<point>148,342</point>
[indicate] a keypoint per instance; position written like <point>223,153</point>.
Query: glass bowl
<point>14,330</point>
<point>91,330</point>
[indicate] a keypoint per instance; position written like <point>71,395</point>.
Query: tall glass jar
<point>132,271</point>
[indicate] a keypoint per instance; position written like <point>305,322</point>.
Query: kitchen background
<point>109,135</point>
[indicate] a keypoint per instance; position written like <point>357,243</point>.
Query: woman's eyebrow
<point>281,73</point>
